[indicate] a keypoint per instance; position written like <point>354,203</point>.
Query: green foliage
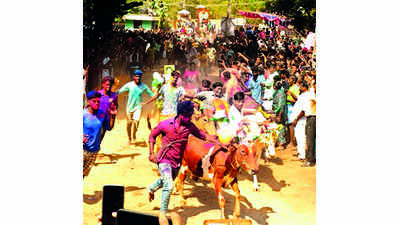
<point>302,11</point>
<point>104,12</point>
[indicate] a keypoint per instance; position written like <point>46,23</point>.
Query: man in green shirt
<point>135,103</point>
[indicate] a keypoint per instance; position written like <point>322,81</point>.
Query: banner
<point>265,16</point>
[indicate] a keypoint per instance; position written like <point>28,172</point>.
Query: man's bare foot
<point>176,219</point>
<point>163,220</point>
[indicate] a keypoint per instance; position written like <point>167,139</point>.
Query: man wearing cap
<point>175,132</point>
<point>135,103</point>
<point>94,120</point>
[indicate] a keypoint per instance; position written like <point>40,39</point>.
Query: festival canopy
<point>264,16</point>
<point>183,12</point>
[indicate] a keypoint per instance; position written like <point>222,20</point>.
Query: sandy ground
<point>287,192</point>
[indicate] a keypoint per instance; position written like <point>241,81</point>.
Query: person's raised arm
<point>264,58</point>
<point>242,56</point>
<point>244,69</point>
<point>223,65</point>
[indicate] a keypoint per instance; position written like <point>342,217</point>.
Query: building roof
<point>140,17</point>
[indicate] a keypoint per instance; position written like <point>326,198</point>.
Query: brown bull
<point>224,165</point>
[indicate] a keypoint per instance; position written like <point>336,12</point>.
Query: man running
<point>94,120</point>
<point>134,103</point>
<point>171,93</point>
<point>108,98</point>
<point>175,132</point>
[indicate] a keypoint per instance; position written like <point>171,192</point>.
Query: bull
<point>264,143</point>
<point>219,163</point>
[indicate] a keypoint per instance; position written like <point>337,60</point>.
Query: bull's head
<point>209,127</point>
<point>246,158</point>
<point>204,124</point>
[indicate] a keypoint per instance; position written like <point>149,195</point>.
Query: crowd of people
<point>260,72</point>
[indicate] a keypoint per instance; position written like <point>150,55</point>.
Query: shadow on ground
<point>112,158</point>
<point>276,160</point>
<point>97,196</point>
<point>142,144</point>
<point>265,175</point>
<point>133,188</point>
<point>209,201</point>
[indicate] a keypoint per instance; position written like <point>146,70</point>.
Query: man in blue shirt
<point>255,85</point>
<point>94,120</point>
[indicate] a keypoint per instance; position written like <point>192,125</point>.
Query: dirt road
<point>287,192</point>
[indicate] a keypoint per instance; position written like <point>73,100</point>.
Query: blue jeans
<point>168,174</point>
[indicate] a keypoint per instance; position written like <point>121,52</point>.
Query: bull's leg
<point>267,154</point>
<point>234,186</point>
<point>218,181</point>
<point>271,148</point>
<point>256,185</point>
<point>179,183</point>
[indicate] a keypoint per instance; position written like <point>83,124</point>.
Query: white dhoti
<point>300,137</point>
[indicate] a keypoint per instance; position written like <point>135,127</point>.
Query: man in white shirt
<point>235,112</point>
<point>307,106</point>
<point>238,115</point>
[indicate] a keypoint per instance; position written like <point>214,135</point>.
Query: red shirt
<point>173,154</point>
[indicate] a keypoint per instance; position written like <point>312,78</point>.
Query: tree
<point>302,11</point>
<point>161,10</point>
<point>102,13</point>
